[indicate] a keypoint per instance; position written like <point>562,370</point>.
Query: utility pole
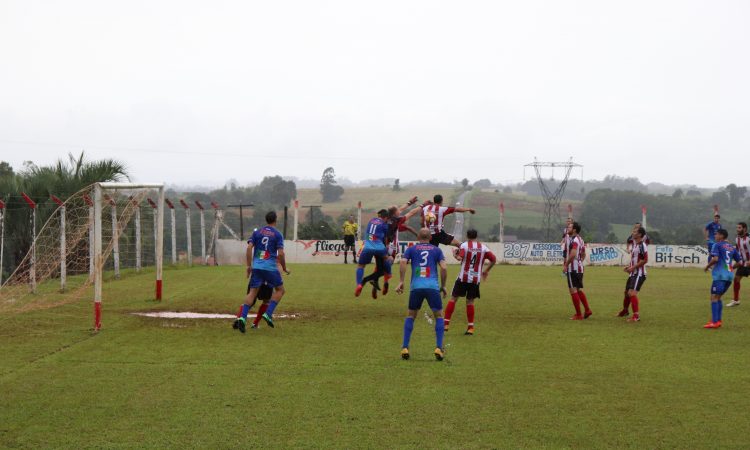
<point>242,224</point>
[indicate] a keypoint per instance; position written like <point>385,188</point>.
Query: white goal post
<point>99,192</point>
<point>89,237</point>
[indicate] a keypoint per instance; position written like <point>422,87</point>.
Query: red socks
<point>449,310</point>
<point>736,287</point>
<point>576,302</point>
<point>261,310</point>
<point>634,301</point>
<point>584,300</point>
<point>626,302</point>
<point>470,314</point>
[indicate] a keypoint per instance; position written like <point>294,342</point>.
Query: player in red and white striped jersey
<point>472,255</point>
<point>433,216</point>
<point>565,238</point>
<point>629,246</point>
<point>631,239</point>
<point>742,269</point>
<point>637,271</point>
<point>573,269</point>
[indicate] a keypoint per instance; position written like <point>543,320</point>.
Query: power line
<point>264,155</point>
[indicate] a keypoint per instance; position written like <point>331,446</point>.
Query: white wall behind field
<point>232,252</point>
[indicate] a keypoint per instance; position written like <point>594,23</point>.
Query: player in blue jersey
<point>425,260</point>
<point>709,232</point>
<point>722,258</point>
<point>265,249</point>
<point>374,247</point>
<point>396,222</point>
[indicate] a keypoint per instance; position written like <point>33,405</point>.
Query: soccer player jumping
<point>438,235</point>
<point>396,223</point>
<point>374,247</point>
<point>721,257</point>
<point>472,255</point>
<point>573,269</point>
<point>425,259</point>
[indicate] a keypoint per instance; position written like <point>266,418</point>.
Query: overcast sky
<point>201,92</point>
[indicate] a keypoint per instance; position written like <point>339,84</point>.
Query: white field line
<point>193,315</point>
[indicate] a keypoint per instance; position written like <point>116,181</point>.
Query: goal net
<point>92,237</point>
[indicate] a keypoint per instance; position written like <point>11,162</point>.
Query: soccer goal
<point>89,239</point>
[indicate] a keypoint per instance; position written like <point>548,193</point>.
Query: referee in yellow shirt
<point>350,231</point>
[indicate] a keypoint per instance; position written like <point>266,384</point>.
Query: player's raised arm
<point>410,202</point>
<point>462,209</point>
<point>414,211</point>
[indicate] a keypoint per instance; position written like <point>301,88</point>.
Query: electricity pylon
<point>552,195</point>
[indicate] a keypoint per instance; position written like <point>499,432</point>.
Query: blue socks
<point>388,264</point>
<point>719,308</point>
<point>271,307</point>
<point>716,309</point>
<point>408,328</point>
<point>360,275</point>
<point>439,331</point>
<point>245,309</point>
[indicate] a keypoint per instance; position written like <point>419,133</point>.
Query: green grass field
<point>529,378</point>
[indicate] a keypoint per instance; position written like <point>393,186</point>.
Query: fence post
<point>359,220</point>
<point>138,256</point>
<point>296,218</point>
<point>115,236</point>
<point>189,233</point>
<point>502,223</point>
<point>154,207</point>
<point>2,238</point>
<point>32,268</point>
<point>63,262</point>
<point>90,202</point>
<point>203,232</point>
<point>174,228</point>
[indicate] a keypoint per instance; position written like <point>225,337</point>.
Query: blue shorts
<point>272,277</point>
<point>417,296</point>
<point>719,287</point>
<point>367,253</point>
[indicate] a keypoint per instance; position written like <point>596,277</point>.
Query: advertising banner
<point>232,252</point>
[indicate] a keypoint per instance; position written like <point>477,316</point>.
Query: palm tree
<point>62,179</point>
